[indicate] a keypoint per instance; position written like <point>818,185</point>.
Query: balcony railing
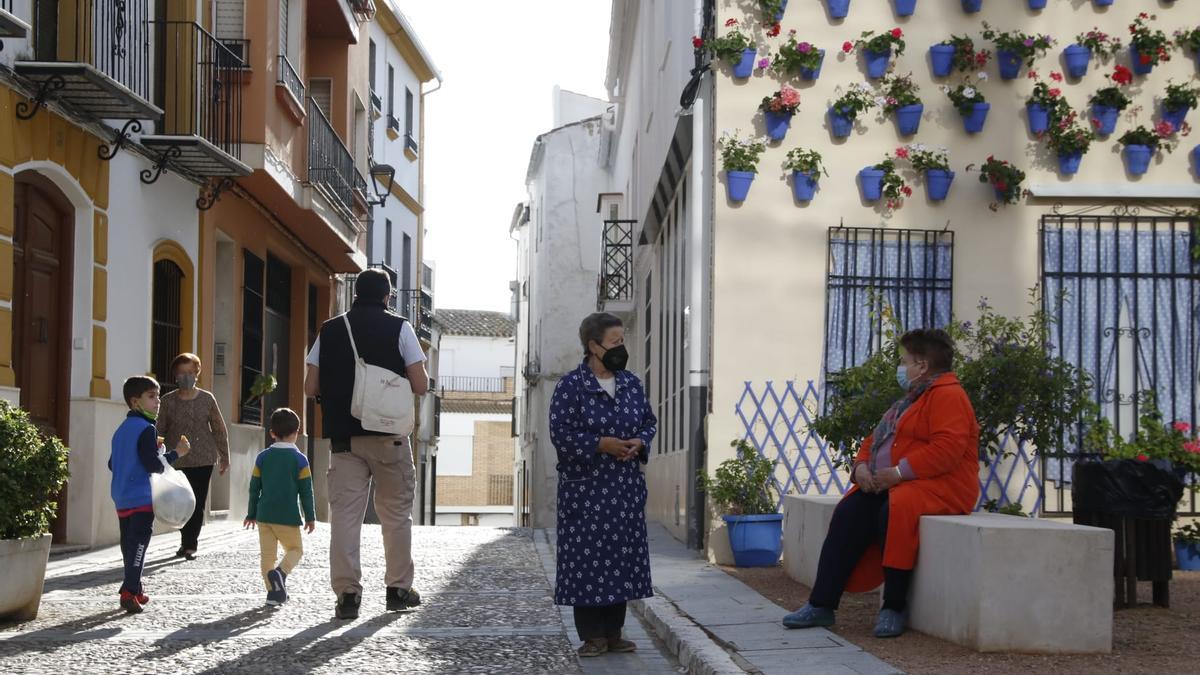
<point>10,25</point>
<point>411,143</point>
<point>393,123</point>
<point>616,262</point>
<point>417,307</point>
<point>330,164</point>
<point>472,385</point>
<point>239,48</point>
<point>289,78</point>
<point>360,186</point>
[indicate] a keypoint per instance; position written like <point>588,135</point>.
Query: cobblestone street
<point>488,607</point>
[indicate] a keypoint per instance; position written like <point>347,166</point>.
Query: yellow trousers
<point>270,537</point>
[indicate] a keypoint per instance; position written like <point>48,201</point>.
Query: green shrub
<point>35,468</point>
<point>742,486</point>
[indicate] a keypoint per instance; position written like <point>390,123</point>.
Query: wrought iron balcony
<point>410,143</point>
<point>10,25</point>
<point>393,123</point>
<point>360,187</point>
<point>471,385</point>
<point>290,79</point>
<point>239,48</point>
<point>417,306</point>
<point>616,263</point>
<point>200,88</point>
<point>330,165</point>
<point>94,60</point>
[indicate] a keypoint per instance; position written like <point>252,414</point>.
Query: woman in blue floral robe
<point>601,425</point>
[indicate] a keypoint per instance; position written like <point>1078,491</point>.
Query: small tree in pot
<point>35,468</point>
<point>742,490</point>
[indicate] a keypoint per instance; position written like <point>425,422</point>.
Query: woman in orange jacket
<point>921,460</point>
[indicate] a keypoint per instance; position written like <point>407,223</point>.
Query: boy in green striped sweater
<point>281,477</point>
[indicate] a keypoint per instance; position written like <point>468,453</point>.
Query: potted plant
<point>882,181</point>
<point>971,106</point>
<point>1045,103</point>
<point>1148,47</point>
<point>778,109</point>
<point>1187,547</point>
<point>802,58</point>
<point>877,49</point>
<point>847,107</point>
<point>1141,144</point>
<point>739,159</point>
<point>1037,4</point>
<point>734,47</point>
<point>957,53</point>
<point>1178,101</point>
<point>934,163</point>
<point>35,469</point>
<point>1096,43</point>
<point>1189,39</point>
<point>806,169</point>
<point>1014,48</point>
<point>742,490</point>
<point>1069,141</point>
<point>773,9</point>
<point>1004,178</point>
<point>1108,102</point>
<point>838,9</point>
<point>972,6</point>
<point>905,7</point>
<point>898,95</point>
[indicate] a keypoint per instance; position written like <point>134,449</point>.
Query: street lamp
<point>382,175</point>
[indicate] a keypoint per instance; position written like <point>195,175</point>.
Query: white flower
<point>969,92</point>
<point>880,101</point>
<point>983,76</point>
<point>945,89</point>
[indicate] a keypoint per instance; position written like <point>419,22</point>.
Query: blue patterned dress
<point>603,558</point>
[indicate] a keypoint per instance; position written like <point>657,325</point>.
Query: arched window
<point>171,311</point>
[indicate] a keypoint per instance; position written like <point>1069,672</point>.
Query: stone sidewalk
<point>488,609</point>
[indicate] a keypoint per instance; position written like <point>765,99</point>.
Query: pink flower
<point>902,153</point>
<point>804,47</point>
<point>907,191</point>
<point>847,46</point>
<point>1032,75</point>
<point>731,22</point>
<point>1183,427</point>
<point>896,33</point>
<point>1057,77</point>
<point>1192,447</point>
<point>789,96</point>
<point>1164,129</point>
<point>1054,93</point>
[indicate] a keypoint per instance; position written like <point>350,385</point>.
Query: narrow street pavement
<point>488,608</point>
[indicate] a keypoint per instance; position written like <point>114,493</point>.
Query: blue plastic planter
<point>813,73</point>
<point>972,6</point>
<point>1037,4</point>
<point>756,541</point>
<point>1196,160</point>
<point>1102,3</point>
<point>973,123</point>
<point>782,9</point>
<point>1107,118</point>
<point>877,62</point>
<point>1076,59</point>
<point>1175,116</point>
<point>777,124</point>
<point>1069,164</point>
<point>745,67</point>
<point>908,118</point>
<point>737,183</point>
<point>1009,63</point>
<point>941,59</point>
<point>1136,57</point>
<point>937,183</point>
<point>1188,556</point>
<point>838,9</point>
<point>905,7</point>
<point>998,194</point>
<point>1137,158</point>
<point>1038,117</point>
<point>804,185</point>
<point>840,125</point>
<point>870,180</point>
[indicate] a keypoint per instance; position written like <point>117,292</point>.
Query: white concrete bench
<point>988,581</point>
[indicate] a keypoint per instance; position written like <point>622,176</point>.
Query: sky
<point>499,62</point>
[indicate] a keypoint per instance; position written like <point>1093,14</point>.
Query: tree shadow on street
<point>76,631</point>
<point>220,629</point>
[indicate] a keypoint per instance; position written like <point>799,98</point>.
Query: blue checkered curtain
<point>911,271</point>
<point>1123,295</point>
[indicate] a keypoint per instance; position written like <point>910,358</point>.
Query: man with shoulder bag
<point>364,368</point>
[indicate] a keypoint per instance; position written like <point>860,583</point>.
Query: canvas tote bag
<point>382,400</point>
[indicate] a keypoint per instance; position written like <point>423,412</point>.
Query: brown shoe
<point>621,646</point>
<point>593,648</point>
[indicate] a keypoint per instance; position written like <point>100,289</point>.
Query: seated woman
<point>922,459</point>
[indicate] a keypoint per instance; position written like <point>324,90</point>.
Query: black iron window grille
<point>239,48</point>
<point>330,165</point>
<point>616,282</point>
<point>911,272</point>
<point>166,322</point>
<point>253,300</point>
<point>1123,294</point>
<point>290,79</point>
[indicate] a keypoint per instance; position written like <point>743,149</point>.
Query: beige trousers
<point>270,536</point>
<point>388,461</point>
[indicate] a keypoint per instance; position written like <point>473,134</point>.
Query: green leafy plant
<point>892,39</point>
<point>1155,439</point>
<point>739,155</point>
<point>923,157</point>
<point>1004,178</point>
<point>804,161</point>
<point>1100,44</point>
<point>1026,46</point>
<point>966,57</point>
<point>1152,45</point>
<point>770,9</point>
<point>1142,136</point>
<point>728,47</point>
<point>1050,98</point>
<point>1010,509</point>
<point>35,469</point>
<point>964,97</point>
<point>1188,39</point>
<point>856,100</point>
<point>1066,136</point>
<point>263,384</point>
<point>1180,96</point>
<point>742,485</point>
<point>786,101</point>
<point>1112,97</point>
<point>793,56</point>
<point>894,187</point>
<point>898,91</point>
<point>1188,534</point>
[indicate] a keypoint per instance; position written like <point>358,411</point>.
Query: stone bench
<point>991,582</point>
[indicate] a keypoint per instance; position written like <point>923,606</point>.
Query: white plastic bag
<point>171,493</point>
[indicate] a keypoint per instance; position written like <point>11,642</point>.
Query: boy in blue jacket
<point>134,457</point>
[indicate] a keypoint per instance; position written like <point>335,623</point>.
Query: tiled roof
<point>475,323</point>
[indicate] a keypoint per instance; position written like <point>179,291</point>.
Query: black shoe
<point>400,599</point>
<point>186,553</point>
<point>347,606</point>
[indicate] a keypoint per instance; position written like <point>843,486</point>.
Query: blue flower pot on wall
<point>1102,3</point>
<point>777,124</point>
<point>804,186</point>
<point>972,6</point>
<point>1075,60</point>
<point>1136,57</point>
<point>937,183</point>
<point>840,124</point>
<point>1106,119</point>
<point>1038,118</point>
<point>756,541</point>
<point>1037,4</point>
<point>838,9</point>
<point>905,7</point>
<point>870,180</point>
<point>973,123</point>
<point>737,183</point>
<point>1196,160</point>
<point>745,67</point>
<point>1068,164</point>
<point>1188,556</point>
<point>813,73</point>
<point>941,59</point>
<point>877,62</point>
<point>1009,63</point>
<point>782,9</point>
<point>908,118</point>
<point>1137,158</point>
<point>1175,116</point>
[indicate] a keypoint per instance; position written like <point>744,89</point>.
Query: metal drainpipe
<point>433,490</point>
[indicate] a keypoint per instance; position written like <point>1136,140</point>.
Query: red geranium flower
<point>902,153</point>
<point>896,33</point>
<point>1144,59</point>
<point>1182,426</point>
<point>907,191</point>
<point>731,22</point>
<point>1001,186</point>
<point>1054,93</point>
<point>1122,75</point>
<point>847,46</point>
<point>1032,74</point>
<point>1057,77</point>
<point>1143,458</point>
<point>773,31</point>
<point>697,42</point>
